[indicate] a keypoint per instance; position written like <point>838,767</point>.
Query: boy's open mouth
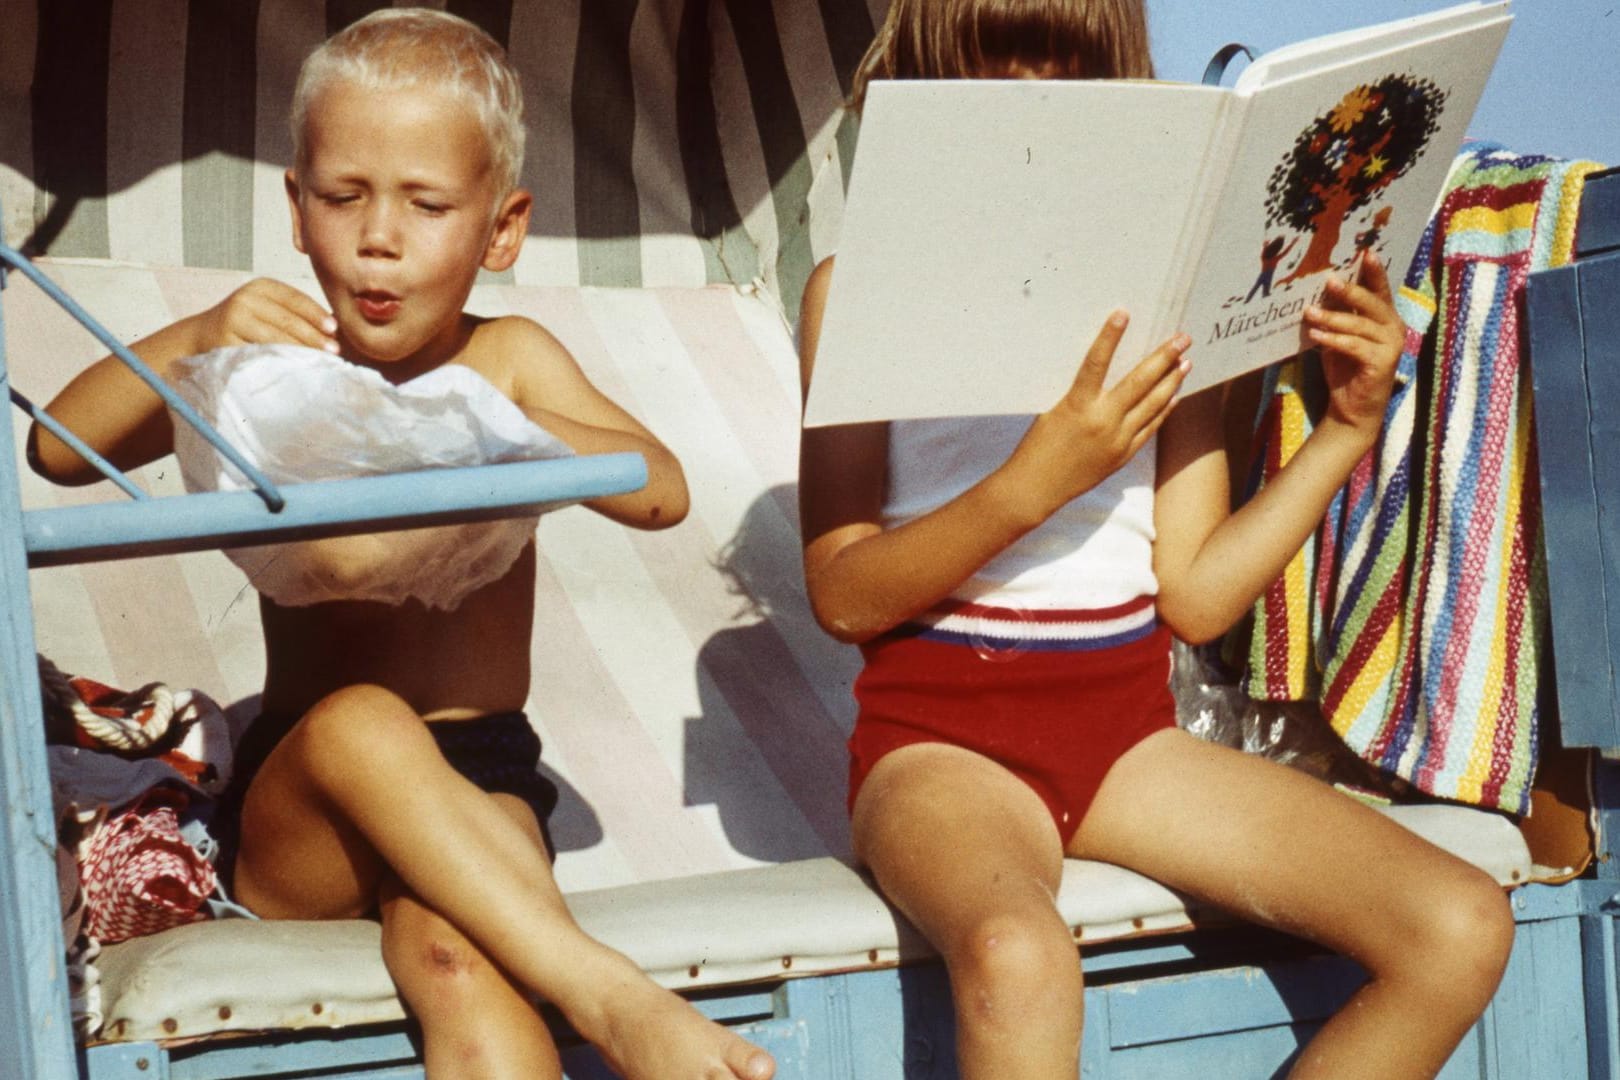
<point>376,305</point>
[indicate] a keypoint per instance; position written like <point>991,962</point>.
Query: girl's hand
<point>1091,432</point>
<point>266,312</point>
<point>1361,338</point>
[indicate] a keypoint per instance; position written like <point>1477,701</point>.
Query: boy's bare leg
<point>475,1022</point>
<point>1287,851</point>
<point>359,786</point>
<point>970,855</point>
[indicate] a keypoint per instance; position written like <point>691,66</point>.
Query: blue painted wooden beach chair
<point>691,708</point>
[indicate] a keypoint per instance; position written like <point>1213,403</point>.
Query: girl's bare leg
<point>1287,851</point>
<point>970,855</point>
<point>358,788</point>
<point>475,1022</point>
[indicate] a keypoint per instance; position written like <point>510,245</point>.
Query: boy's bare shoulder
<point>518,355</point>
<point>519,340</point>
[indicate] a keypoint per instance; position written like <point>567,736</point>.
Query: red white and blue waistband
<point>1042,629</point>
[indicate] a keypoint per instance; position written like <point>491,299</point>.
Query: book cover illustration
<point>1351,146</point>
<point>1341,163</point>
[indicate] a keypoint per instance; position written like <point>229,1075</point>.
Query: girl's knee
<point>448,964</point>
<point>1007,963</point>
<point>1462,937</point>
<point>1479,921</point>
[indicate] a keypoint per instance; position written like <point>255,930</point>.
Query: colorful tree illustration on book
<point>1346,157</point>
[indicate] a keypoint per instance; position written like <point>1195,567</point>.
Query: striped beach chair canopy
<point>672,142</point>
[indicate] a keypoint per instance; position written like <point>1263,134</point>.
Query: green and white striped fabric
<point>672,142</point>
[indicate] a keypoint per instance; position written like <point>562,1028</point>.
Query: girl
<point>1013,585</point>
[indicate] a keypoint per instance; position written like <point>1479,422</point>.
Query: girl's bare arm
<point>1212,563</point>
<point>864,580</point>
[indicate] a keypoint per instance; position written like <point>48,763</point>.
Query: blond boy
<point>408,138</point>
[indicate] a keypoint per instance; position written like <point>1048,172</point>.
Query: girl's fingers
<point>1374,302</point>
<point>1341,322</point>
<point>1159,398</point>
<point>279,324</point>
<point>1363,350</point>
<point>1374,277</point>
<point>305,310</point>
<point>1088,381</point>
<point>1156,421</point>
<point>1164,365</point>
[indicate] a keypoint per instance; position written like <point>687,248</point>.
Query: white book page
<point>990,229</point>
<point>1336,161</point>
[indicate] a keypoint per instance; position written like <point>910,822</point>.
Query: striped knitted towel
<point>1418,614</point>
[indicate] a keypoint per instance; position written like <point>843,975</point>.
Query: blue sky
<point>1555,89</point>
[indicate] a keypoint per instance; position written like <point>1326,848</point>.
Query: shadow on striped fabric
<point>673,142</point>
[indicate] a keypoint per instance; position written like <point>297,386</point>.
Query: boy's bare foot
<point>650,1033</point>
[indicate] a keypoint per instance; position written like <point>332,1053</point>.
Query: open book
<point>992,225</point>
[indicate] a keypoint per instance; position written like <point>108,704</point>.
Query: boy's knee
<point>352,726</point>
<point>448,965</point>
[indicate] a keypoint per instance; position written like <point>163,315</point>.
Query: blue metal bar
<point>123,530</point>
<point>35,1028</point>
<point>262,484</point>
<point>80,447</point>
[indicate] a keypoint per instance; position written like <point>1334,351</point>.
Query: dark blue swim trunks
<point>500,753</point>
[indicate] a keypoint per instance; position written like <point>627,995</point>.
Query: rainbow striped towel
<point>1418,614</point>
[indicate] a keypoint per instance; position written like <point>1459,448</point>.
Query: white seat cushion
<point>791,919</point>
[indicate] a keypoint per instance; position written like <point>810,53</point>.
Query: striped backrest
<point>692,708</point>
<point>672,142</point>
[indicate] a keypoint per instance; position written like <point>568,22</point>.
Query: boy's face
<point>395,205</point>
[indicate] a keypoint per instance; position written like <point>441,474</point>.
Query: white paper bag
<point>301,415</point>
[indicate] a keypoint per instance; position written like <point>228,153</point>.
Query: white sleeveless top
<point>1095,552</point>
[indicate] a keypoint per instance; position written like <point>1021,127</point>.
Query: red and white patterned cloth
<point>139,875</point>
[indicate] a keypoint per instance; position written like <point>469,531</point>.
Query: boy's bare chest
<point>469,661</point>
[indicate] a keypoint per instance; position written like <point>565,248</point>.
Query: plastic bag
<point>301,415</point>
<point>1211,705</point>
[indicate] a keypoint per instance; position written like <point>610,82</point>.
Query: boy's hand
<point>1361,338</point>
<point>264,312</point>
<point>1091,432</point>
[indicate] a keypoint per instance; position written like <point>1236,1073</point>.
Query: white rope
<point>119,733</point>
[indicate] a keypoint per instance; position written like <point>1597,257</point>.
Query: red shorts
<point>1055,714</point>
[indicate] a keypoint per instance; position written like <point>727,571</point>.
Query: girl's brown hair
<point>954,39</point>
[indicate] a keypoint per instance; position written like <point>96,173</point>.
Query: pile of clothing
<point>134,779</point>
